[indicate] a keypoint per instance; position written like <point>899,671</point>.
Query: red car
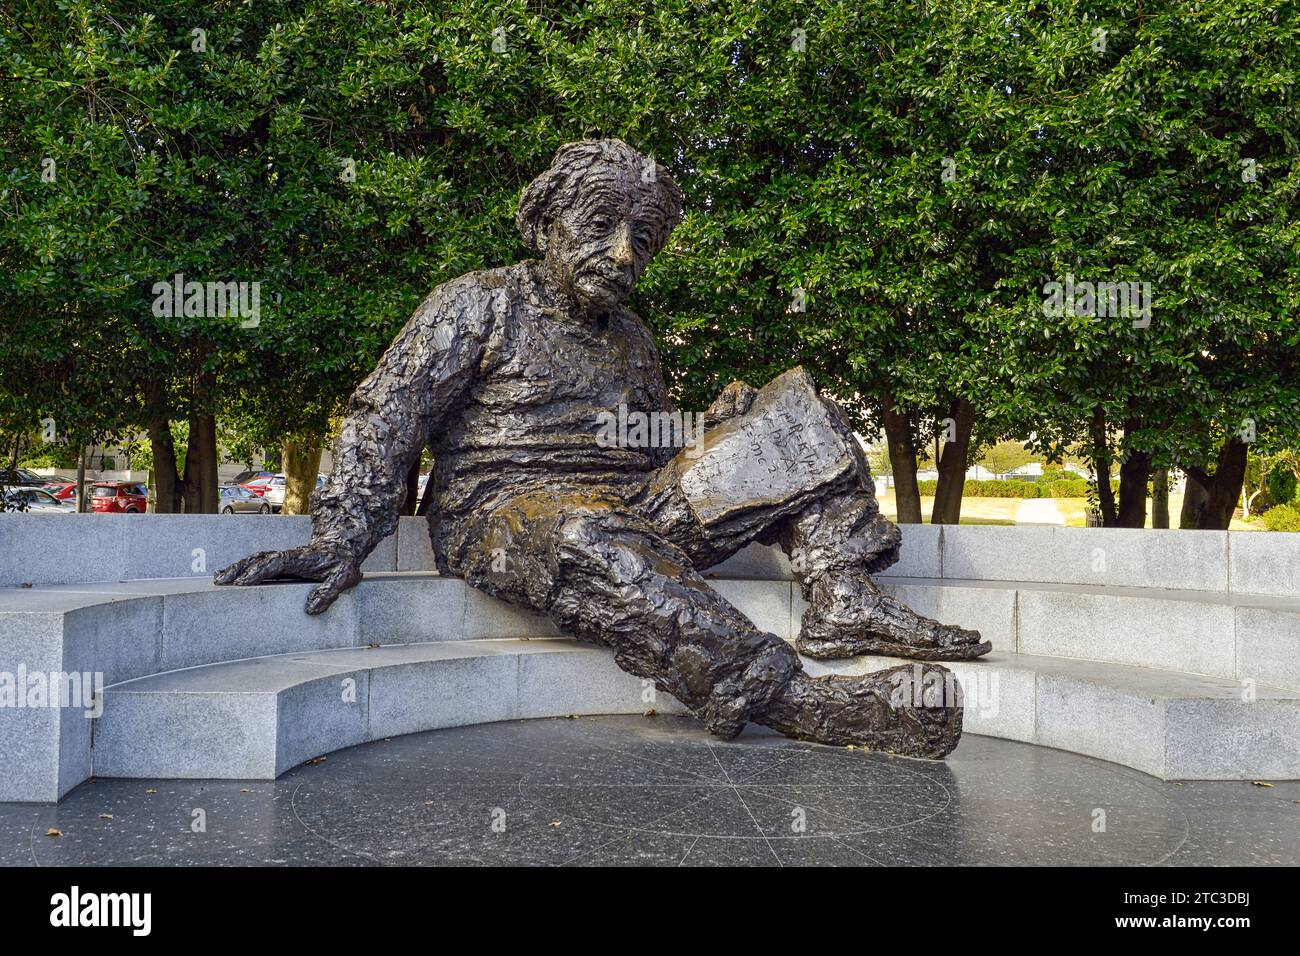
<point>63,490</point>
<point>121,497</point>
<point>259,484</point>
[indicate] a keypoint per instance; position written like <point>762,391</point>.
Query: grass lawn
<point>1003,511</point>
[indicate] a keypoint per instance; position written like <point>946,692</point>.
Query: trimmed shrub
<point>1006,488</point>
<point>1281,485</point>
<point>1002,488</point>
<point>1069,488</point>
<point>1282,518</point>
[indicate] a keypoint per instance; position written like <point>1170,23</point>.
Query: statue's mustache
<point>605,271</point>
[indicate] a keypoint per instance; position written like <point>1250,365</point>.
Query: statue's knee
<point>579,531</point>
<point>586,542</point>
<point>616,539</point>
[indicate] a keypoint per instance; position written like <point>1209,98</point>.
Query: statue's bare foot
<point>910,710</point>
<point>849,616</point>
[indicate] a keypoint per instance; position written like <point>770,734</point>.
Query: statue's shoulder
<point>475,302</point>
<point>481,284</point>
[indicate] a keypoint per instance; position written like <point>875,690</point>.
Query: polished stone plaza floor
<point>660,791</point>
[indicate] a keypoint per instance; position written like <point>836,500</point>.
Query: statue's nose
<point>622,253</point>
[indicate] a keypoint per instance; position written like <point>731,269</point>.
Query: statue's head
<point>597,217</point>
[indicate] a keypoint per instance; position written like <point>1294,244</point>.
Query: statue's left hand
<point>336,572</point>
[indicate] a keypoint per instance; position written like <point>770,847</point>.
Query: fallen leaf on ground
<point>1260,783</point>
<point>54,832</point>
<point>106,816</point>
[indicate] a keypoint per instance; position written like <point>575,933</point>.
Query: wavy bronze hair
<point>558,186</point>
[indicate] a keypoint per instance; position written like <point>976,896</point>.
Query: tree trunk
<point>952,466</point>
<point>1194,502</point>
<point>1160,498</point>
<point>201,466</point>
<point>902,458</point>
<point>1134,474</point>
<point>1100,455</point>
<point>301,466</point>
<point>168,486</point>
<point>1211,499</point>
<point>165,485</point>
<point>83,499</point>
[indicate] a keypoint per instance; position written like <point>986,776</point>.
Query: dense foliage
<point>879,191</point>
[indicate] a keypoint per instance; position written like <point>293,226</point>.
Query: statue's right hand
<point>336,572</point>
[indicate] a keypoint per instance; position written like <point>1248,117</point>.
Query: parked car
<point>63,490</point>
<point>276,492</point>
<point>246,476</point>
<point>258,485</point>
<point>36,501</point>
<point>21,477</point>
<point>273,489</point>
<point>118,497</point>
<point>238,500</point>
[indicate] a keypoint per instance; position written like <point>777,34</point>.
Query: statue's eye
<point>603,223</point>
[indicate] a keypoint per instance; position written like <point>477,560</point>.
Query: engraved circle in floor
<point>740,792</point>
<point>594,787</point>
<point>660,791</point>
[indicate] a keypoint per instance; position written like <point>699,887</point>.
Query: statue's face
<point>599,246</point>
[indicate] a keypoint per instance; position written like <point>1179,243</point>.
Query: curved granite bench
<point>1200,681</point>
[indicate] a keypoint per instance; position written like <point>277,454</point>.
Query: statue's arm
<point>421,379</point>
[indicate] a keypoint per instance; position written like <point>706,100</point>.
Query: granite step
<point>257,718</point>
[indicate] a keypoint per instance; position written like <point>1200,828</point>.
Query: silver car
<point>36,501</point>
<point>238,500</point>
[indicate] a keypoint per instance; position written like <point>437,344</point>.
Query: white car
<point>37,501</point>
<point>276,487</point>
